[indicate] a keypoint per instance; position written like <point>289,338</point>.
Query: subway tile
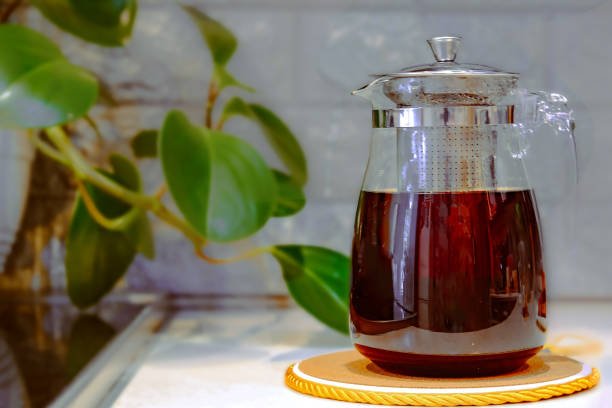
<point>472,5</point>
<point>175,63</point>
<point>177,270</point>
<point>594,146</point>
<point>583,269</point>
<point>320,82</point>
<point>321,223</point>
<point>503,6</point>
<point>580,56</point>
<point>340,49</point>
<point>336,143</point>
<point>577,224</point>
<point>266,54</point>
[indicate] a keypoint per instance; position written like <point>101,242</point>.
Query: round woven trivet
<point>348,376</point>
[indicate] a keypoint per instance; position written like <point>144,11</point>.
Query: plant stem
<point>221,123</point>
<point>161,191</point>
<point>213,94</point>
<point>84,172</point>
<point>240,257</point>
<point>164,214</point>
<point>47,150</point>
<point>94,126</point>
<point>113,224</point>
<point>10,9</point>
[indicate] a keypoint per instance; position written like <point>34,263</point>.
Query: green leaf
<point>141,235</point>
<point>104,22</point>
<point>318,280</point>
<point>283,142</point>
<point>291,198</point>
<point>237,106</point>
<point>144,144</point>
<point>220,183</point>
<point>21,51</point>
<point>53,93</point>
<point>96,258</point>
<point>221,42</point>
<point>277,133</point>
<point>139,231</point>
<point>38,86</point>
<point>224,79</point>
<point>126,172</point>
<point>101,12</point>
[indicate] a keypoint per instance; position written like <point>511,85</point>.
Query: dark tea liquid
<point>449,283</point>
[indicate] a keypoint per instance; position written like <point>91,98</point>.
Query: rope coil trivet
<point>311,378</point>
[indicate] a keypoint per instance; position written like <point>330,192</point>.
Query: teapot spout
<point>372,91</point>
<point>363,91</point>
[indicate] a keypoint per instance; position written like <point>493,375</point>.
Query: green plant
<point>221,185</point>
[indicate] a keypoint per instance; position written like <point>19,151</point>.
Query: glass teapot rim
<point>520,107</point>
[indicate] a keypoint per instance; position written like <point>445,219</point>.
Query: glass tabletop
<point>46,342</point>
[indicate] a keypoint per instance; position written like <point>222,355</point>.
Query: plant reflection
<point>12,390</point>
<point>89,334</point>
<point>44,345</point>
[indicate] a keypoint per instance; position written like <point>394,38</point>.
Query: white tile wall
<point>581,61</point>
<point>305,58</point>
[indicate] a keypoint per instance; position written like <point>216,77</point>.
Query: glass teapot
<point>447,264</point>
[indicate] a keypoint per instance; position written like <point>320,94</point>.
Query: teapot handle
<point>551,109</point>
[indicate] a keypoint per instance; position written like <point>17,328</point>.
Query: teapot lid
<point>445,52</point>
<point>443,83</point>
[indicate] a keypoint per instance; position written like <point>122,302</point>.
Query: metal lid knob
<point>444,48</point>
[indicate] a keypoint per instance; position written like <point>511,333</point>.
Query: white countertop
<point>237,358</point>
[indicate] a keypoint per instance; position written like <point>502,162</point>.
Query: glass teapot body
<point>447,252</point>
<point>447,264</point>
